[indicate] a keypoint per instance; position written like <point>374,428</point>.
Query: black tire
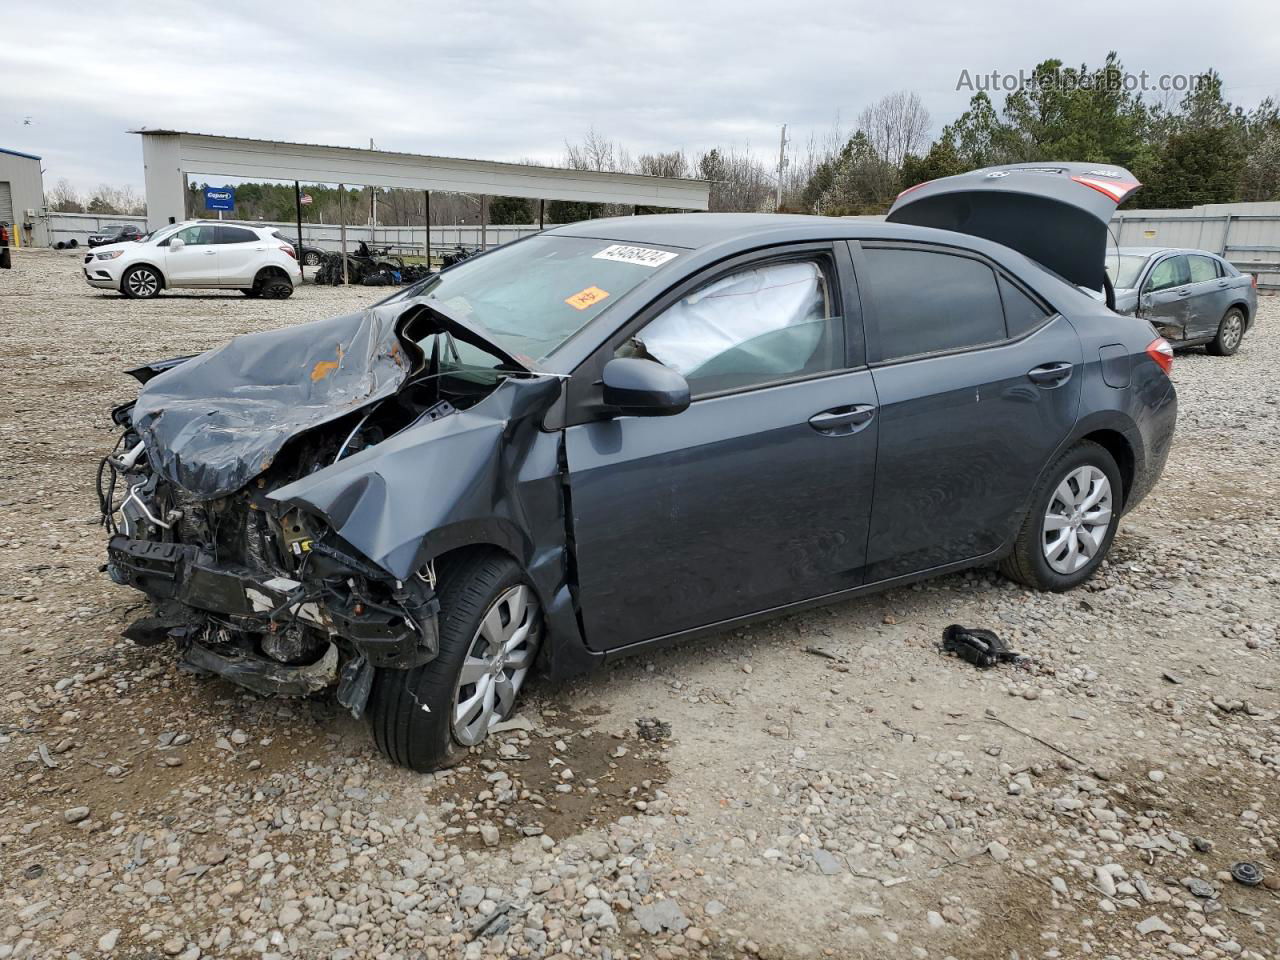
<point>1230,334</point>
<point>311,258</point>
<point>410,711</point>
<point>276,288</point>
<point>251,291</point>
<point>141,283</point>
<point>1027,563</point>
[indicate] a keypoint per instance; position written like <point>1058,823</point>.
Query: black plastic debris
<point>652,729</point>
<point>980,647</point>
<point>1247,873</point>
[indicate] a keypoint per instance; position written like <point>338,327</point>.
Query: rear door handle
<point>211,253</point>
<point>1222,283</point>
<point>1050,374</point>
<point>842,421</point>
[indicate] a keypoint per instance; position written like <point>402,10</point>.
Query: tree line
<point>1195,149</point>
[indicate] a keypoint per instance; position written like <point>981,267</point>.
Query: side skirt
<point>724,625</point>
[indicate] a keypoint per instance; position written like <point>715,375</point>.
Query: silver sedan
<point>1192,297</point>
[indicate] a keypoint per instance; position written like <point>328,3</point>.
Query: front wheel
<point>1072,521</point>
<point>1230,333</point>
<point>490,629</point>
<point>311,259</point>
<point>141,283</point>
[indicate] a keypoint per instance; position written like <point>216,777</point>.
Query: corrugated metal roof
<point>18,153</point>
<point>400,153</point>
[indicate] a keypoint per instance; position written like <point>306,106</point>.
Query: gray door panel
<point>963,438</point>
<point>1208,299</point>
<point>734,506</point>
<point>1165,297</point>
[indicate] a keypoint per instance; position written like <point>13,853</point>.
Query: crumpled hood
<point>216,421</point>
<point>1055,213</point>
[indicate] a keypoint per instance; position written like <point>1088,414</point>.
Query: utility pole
<point>782,166</point>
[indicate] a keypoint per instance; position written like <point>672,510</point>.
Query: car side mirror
<point>176,244</point>
<point>644,388</point>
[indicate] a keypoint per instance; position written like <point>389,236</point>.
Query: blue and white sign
<point>219,198</point>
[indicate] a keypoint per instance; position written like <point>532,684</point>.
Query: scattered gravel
<point>825,785</point>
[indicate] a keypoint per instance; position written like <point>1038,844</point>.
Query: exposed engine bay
<point>246,499</point>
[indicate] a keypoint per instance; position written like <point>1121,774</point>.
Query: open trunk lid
<point>1055,213</point>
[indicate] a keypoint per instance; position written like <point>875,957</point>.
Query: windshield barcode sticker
<point>640,256</point>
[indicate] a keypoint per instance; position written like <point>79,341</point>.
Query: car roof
<point>1152,251</point>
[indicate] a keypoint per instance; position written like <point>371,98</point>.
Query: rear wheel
<point>490,630</point>
<point>276,288</point>
<point>1072,521</point>
<point>1230,333</point>
<point>141,283</point>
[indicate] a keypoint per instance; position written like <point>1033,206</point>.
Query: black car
<point>116,233</point>
<point>308,255</point>
<point>626,432</point>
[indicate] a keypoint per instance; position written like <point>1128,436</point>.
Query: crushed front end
<point>254,589</point>
<point>272,601</point>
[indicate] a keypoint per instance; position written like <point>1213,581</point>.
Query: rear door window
<point>236,235</point>
<point>928,301</point>
<point>1202,269</point>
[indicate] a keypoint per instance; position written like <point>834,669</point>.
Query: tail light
<point>1253,279</point>
<point>1160,351</point>
<point>289,250</point>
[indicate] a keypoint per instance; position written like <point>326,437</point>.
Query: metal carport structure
<point>168,156</point>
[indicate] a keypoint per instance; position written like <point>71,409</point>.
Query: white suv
<point>198,253</point>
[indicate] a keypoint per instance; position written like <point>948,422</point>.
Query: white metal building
<point>168,156</point>
<point>22,197</point>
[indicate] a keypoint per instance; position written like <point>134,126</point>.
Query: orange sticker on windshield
<point>586,298</point>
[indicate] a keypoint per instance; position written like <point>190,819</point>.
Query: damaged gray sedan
<point>628,432</point>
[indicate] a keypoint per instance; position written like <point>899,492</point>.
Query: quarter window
<point>1021,313</point>
<point>767,323</point>
<point>927,301</point>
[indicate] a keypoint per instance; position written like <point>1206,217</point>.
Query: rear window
<point>1202,269</point>
<point>531,296</point>
<point>927,302</point>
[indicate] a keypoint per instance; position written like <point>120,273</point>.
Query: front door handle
<point>842,421</point>
<point>210,253</point>
<point>1184,291</point>
<point>1050,374</point>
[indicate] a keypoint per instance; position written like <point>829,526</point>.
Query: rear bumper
<point>1157,429</point>
<point>256,602</point>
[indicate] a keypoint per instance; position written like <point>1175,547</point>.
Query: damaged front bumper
<point>209,608</point>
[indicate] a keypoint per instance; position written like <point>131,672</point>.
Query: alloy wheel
<point>1232,331</point>
<point>143,283</point>
<point>1076,521</point>
<point>497,662</point>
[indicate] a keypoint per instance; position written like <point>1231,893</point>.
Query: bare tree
<point>897,125</point>
<point>671,164</point>
<point>739,180</point>
<point>63,198</point>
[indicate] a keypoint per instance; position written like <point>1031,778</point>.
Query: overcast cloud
<point>508,81</point>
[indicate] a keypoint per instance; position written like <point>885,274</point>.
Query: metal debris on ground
<point>980,647</point>
<point>1247,873</point>
<point>653,729</point>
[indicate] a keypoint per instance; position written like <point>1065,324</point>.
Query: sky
<point>512,81</point>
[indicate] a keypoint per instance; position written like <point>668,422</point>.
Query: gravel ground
<point>828,784</point>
